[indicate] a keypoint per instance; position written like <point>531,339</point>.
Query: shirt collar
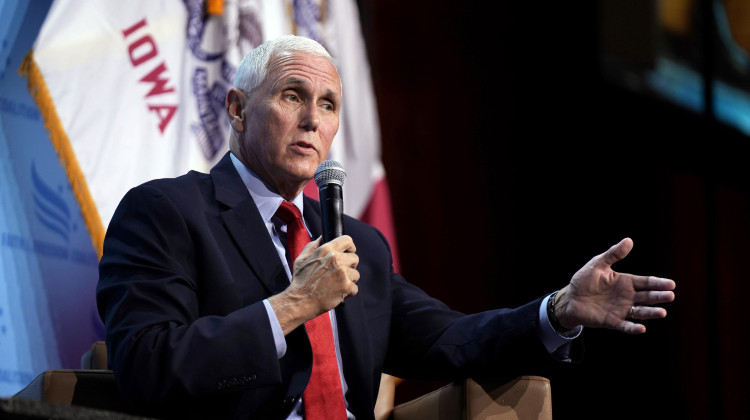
<point>266,199</point>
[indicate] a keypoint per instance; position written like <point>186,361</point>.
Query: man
<point>204,306</point>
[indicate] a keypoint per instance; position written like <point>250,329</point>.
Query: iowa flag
<point>132,91</point>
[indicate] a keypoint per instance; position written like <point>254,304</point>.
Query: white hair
<point>254,67</point>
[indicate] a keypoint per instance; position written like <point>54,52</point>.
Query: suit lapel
<point>246,227</point>
<point>313,218</point>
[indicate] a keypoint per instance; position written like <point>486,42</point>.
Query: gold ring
<point>631,314</point>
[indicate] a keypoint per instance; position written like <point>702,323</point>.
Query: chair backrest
<point>95,357</point>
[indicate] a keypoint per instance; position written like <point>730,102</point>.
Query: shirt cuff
<point>278,334</point>
<point>551,339</point>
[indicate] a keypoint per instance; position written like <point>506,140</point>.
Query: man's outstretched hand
<point>600,297</point>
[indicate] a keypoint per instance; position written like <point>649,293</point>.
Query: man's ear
<point>235,105</point>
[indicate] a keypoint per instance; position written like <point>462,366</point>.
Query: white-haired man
<point>210,313</point>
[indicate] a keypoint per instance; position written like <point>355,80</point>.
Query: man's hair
<point>254,67</point>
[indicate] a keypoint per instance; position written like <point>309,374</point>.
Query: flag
<point>132,91</point>
<point>335,24</point>
<point>128,92</point>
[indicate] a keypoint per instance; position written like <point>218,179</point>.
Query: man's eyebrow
<point>297,81</point>
<point>332,95</point>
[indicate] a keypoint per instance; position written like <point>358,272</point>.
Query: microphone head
<point>329,172</point>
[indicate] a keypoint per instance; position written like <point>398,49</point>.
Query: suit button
<point>247,379</point>
<point>287,403</point>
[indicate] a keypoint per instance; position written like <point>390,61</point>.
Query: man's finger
<point>353,291</point>
<point>648,312</point>
<point>309,248</point>
<point>353,275</point>
<point>343,243</point>
<point>617,252</point>
<point>630,327</point>
<point>348,259</point>
<point>653,283</point>
<point>343,259</point>
<point>652,297</point>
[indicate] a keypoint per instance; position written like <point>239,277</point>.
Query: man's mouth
<point>304,146</point>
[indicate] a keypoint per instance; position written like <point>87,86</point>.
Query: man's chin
<point>304,170</point>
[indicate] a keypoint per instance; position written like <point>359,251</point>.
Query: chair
<point>92,386</point>
<point>525,397</point>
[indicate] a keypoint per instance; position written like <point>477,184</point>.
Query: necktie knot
<point>296,233</point>
<point>288,212</point>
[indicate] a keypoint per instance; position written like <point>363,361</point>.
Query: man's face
<point>291,119</point>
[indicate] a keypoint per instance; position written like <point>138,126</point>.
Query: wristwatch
<point>553,318</point>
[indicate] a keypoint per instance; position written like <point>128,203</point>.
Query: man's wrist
<point>551,338</point>
<point>554,321</point>
<point>278,334</point>
<point>289,311</point>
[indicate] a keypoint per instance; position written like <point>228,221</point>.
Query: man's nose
<point>310,118</point>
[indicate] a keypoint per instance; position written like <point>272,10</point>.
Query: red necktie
<point>323,397</point>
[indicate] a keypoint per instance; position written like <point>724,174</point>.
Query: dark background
<point>512,160</point>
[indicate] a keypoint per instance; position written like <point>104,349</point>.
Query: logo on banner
<point>56,220</point>
<point>50,208</point>
<point>212,73</point>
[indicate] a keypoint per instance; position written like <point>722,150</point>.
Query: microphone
<point>329,177</point>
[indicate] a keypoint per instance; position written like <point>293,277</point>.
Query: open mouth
<point>304,146</point>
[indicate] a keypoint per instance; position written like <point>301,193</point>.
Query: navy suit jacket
<point>186,265</point>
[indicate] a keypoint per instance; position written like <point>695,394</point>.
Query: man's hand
<point>600,297</point>
<point>324,275</point>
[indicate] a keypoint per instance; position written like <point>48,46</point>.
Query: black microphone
<point>330,178</point>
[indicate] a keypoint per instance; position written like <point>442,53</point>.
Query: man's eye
<point>327,107</point>
<point>292,97</point>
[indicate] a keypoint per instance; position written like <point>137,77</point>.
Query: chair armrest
<point>525,397</point>
<point>89,388</point>
<point>55,386</point>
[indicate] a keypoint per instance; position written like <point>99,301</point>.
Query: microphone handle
<point>332,207</point>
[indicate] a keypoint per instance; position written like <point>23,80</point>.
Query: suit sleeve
<point>161,345</point>
<point>430,341</point>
